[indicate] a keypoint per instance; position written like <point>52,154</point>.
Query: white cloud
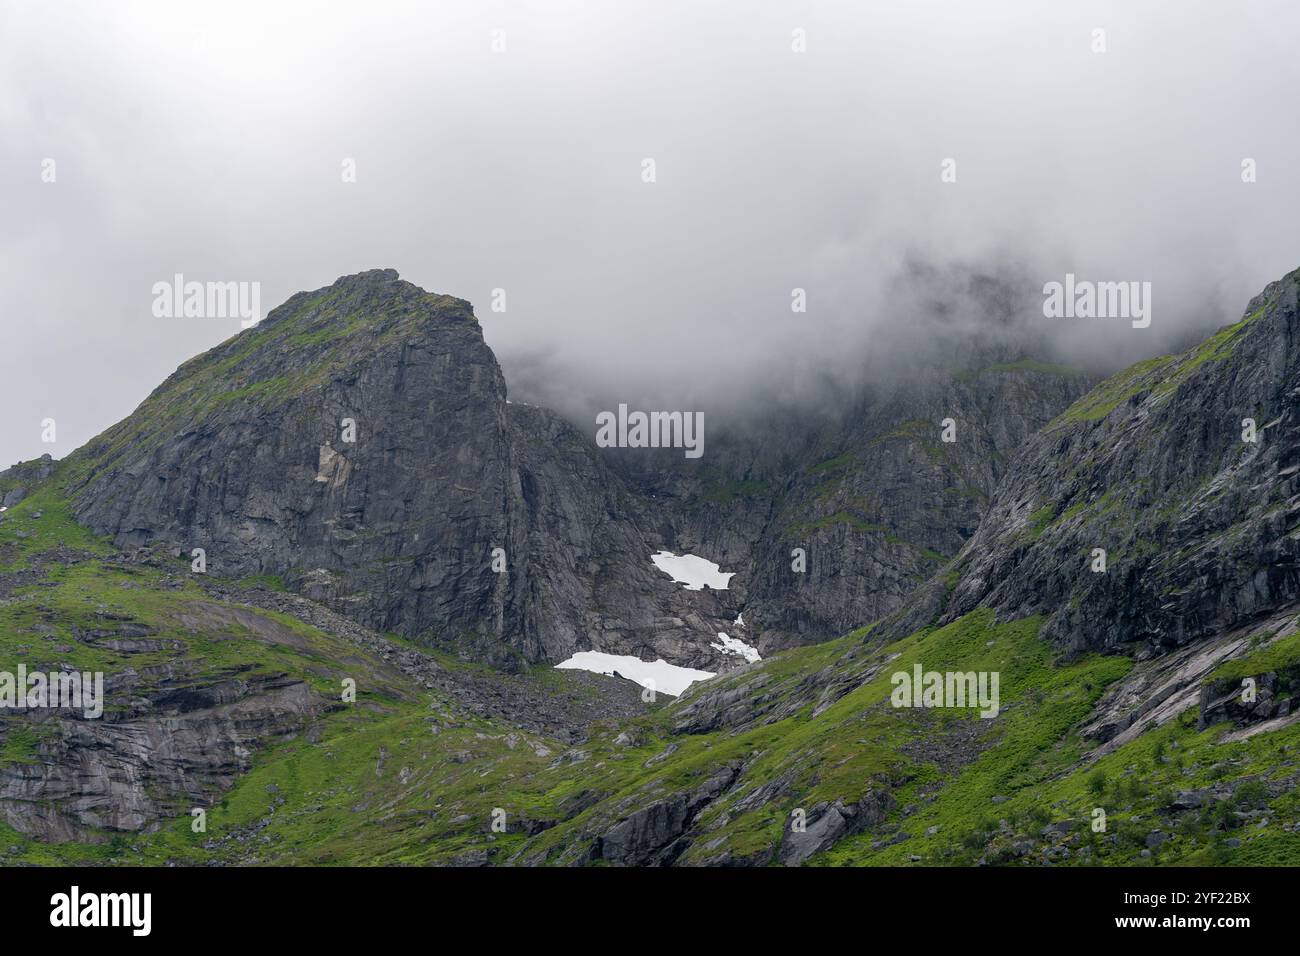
<point>206,139</point>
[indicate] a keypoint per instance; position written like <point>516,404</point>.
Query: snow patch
<point>665,678</point>
<point>733,645</point>
<point>692,571</point>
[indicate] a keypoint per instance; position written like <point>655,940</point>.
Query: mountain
<point>242,452</point>
<point>370,561</point>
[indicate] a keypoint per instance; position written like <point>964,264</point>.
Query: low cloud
<point>211,140</point>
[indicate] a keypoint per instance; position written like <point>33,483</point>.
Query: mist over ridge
<point>521,170</point>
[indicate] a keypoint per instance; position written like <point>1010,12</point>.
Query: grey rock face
<point>1161,687</point>
<point>1197,524</point>
<point>888,502</point>
<point>829,823</point>
<point>242,453</point>
<point>589,580</point>
<point>874,498</point>
<point>1193,799</point>
<point>179,742</point>
<point>1228,700</point>
<point>650,836</point>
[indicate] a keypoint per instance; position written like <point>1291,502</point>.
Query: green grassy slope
<point>416,783</point>
<point>408,777</point>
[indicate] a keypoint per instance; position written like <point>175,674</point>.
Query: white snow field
<point>692,571</point>
<point>663,677</point>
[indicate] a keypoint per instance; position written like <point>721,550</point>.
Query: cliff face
<point>586,539</point>
<point>888,501</point>
<point>358,443</point>
<point>243,452</point>
<point>833,520</point>
<point>1157,468</point>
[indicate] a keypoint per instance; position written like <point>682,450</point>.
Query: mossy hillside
<point>416,781</point>
<point>45,627</point>
<point>388,782</point>
<point>1114,391</point>
<point>20,744</point>
<point>859,741</point>
<point>39,618</point>
<point>1041,701</point>
<point>1159,376</point>
<point>1276,656</point>
<point>392,787</point>
<point>1040,775</point>
<point>526,785</point>
<point>1033,757</point>
<point>40,523</point>
<point>848,519</point>
<point>1134,786</point>
<point>175,841</point>
<point>728,492</point>
<point>863,742</point>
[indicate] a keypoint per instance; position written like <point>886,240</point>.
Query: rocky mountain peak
<point>1158,509</point>
<point>358,444</point>
<point>374,300</point>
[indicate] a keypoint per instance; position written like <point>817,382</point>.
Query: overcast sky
<point>209,140</point>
